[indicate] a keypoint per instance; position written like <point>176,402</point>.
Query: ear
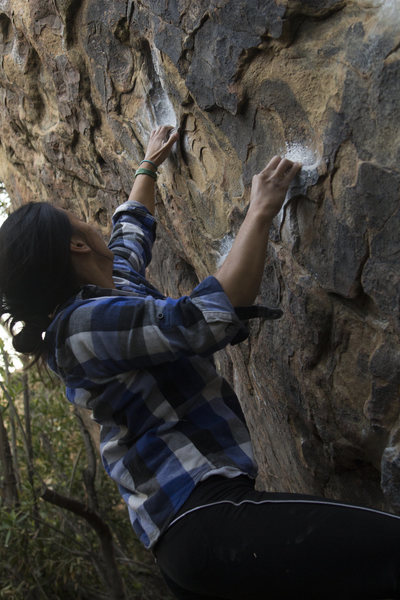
<point>79,246</point>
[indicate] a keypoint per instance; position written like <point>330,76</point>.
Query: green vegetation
<point>64,531</point>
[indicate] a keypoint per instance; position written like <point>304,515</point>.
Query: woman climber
<point>173,436</point>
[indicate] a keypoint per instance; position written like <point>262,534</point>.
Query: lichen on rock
<point>82,83</point>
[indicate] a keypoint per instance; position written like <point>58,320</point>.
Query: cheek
<point>96,238</point>
<point>103,247</point>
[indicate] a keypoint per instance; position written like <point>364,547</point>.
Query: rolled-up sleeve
<point>216,308</point>
<point>132,238</point>
<point>114,334</point>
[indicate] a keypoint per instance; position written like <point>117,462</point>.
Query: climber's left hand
<point>160,144</point>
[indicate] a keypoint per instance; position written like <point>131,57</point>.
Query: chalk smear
<point>297,152</point>
<point>389,11</point>
<point>224,248</point>
<point>310,161</point>
<point>308,175</point>
<point>162,108</point>
<point>386,10</point>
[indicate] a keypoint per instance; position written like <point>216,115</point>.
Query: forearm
<point>143,189</point>
<point>241,273</point>
<point>159,147</point>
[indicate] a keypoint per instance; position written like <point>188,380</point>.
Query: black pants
<point>245,545</point>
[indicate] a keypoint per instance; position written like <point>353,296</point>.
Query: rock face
<point>83,82</point>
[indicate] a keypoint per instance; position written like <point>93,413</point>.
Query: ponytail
<point>30,339</point>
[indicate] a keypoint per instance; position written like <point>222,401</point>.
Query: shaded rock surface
<point>82,83</point>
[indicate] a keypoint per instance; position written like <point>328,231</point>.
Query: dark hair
<point>36,273</point>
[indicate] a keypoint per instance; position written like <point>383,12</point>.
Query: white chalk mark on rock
<point>308,176</point>
<point>163,110</point>
<point>299,153</point>
<point>225,246</point>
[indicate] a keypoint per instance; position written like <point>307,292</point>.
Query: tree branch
<point>9,491</point>
<point>112,576</point>
<point>89,474</point>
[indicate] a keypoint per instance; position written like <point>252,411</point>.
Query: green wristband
<point>149,161</point>
<point>146,172</point>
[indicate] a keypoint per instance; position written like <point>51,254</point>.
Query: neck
<point>92,272</point>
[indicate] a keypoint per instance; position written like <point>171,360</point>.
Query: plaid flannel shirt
<point>143,364</point>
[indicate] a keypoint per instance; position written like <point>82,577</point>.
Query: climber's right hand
<point>269,187</point>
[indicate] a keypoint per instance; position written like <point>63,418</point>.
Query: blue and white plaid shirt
<point>142,363</point>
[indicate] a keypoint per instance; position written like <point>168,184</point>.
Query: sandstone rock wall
<point>82,83</point>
